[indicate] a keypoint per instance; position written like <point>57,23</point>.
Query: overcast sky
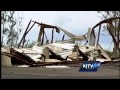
<point>76,22</point>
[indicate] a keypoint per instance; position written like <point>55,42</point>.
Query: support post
<point>52,35</point>
<point>5,60</point>
<point>46,52</point>
<point>98,35</point>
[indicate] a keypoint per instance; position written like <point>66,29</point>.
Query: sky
<point>76,22</point>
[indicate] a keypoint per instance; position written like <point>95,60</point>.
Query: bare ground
<point>106,71</point>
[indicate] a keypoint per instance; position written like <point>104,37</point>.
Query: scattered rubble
<point>64,52</point>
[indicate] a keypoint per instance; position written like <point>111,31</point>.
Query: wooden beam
<point>26,31</point>
<point>104,53</point>
<point>52,35</point>
<point>42,38</point>
<point>98,36</point>
<point>63,37</point>
<point>83,55</point>
<point>55,55</point>
<point>24,34</point>
<point>40,34</point>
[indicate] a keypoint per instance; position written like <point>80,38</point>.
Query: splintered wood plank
<point>104,53</point>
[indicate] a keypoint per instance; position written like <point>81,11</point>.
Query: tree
<point>115,28</point>
<point>109,14</point>
<point>19,28</point>
<point>9,35</point>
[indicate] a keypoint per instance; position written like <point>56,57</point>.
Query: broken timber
<point>112,31</point>
<point>92,39</point>
<point>55,55</point>
<point>41,33</point>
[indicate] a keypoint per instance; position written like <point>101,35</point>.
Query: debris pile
<point>64,52</point>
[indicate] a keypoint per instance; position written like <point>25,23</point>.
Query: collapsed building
<point>65,52</point>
